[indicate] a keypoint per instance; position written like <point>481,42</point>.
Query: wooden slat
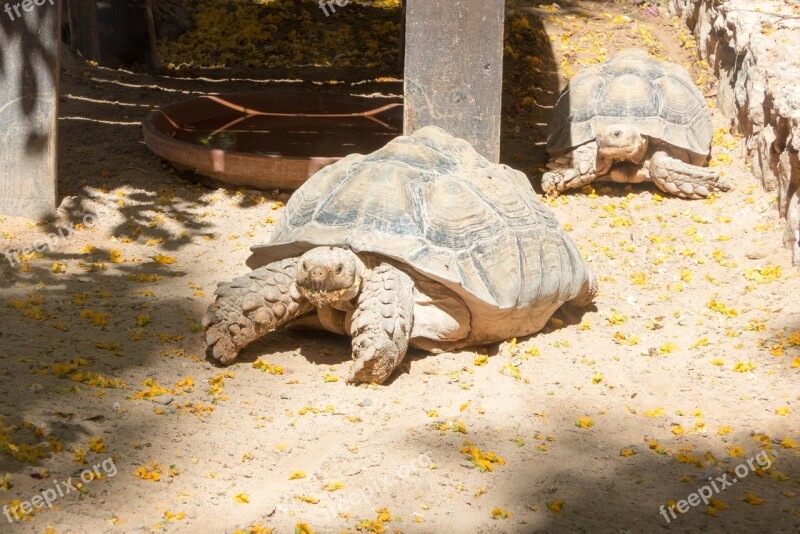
<point>29,110</point>
<point>454,69</point>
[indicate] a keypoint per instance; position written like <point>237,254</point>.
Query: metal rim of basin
<point>267,171</point>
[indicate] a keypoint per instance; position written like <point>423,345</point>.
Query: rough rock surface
<point>754,48</point>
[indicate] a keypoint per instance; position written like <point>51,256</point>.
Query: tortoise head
<point>328,275</point>
<point>621,142</point>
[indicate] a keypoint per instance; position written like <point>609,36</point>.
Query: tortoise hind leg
<point>251,306</point>
<point>683,179</point>
<point>571,171</point>
<point>381,324</point>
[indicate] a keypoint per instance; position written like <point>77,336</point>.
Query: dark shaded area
<point>100,115</point>
<point>630,490</point>
<point>122,32</point>
<point>124,35</point>
<point>530,88</point>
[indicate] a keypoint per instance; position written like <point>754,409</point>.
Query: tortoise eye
<point>305,266</point>
<point>339,268</point>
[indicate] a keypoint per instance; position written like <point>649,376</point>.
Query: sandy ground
<point>687,367</point>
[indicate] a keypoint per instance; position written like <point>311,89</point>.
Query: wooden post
<point>83,27</point>
<point>114,31</point>
<point>127,32</point>
<point>29,108</point>
<point>151,32</point>
<point>454,69</point>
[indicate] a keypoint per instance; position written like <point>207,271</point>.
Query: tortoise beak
<point>317,284</point>
<point>317,277</point>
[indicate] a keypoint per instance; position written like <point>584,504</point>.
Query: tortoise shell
<point>430,202</point>
<point>632,88</point>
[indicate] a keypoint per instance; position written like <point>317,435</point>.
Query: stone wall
<point>754,48</point>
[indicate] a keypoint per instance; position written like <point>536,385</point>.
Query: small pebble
<point>163,399</point>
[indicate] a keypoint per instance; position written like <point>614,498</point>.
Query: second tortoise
<point>629,120</point>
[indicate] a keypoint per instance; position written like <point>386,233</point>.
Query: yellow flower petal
<point>735,451</point>
<point>657,412</point>
<point>788,443</point>
<point>97,444</point>
<point>163,260</point>
<point>481,360</point>
<point>303,528</point>
<point>753,499</point>
<point>499,513</point>
<point>584,422</point>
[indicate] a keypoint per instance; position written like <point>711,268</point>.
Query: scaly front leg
<point>573,170</point>
<point>381,325</point>
<point>251,306</point>
<point>683,179</point>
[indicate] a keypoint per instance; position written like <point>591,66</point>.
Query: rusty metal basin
<point>269,140</point>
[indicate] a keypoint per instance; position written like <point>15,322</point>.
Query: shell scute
<point>632,88</point>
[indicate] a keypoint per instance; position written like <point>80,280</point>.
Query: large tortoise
<point>629,120</point>
<point>422,243</point>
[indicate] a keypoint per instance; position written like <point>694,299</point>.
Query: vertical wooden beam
<point>127,32</point>
<point>151,32</point>
<point>29,108</point>
<point>83,27</point>
<point>454,69</point>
